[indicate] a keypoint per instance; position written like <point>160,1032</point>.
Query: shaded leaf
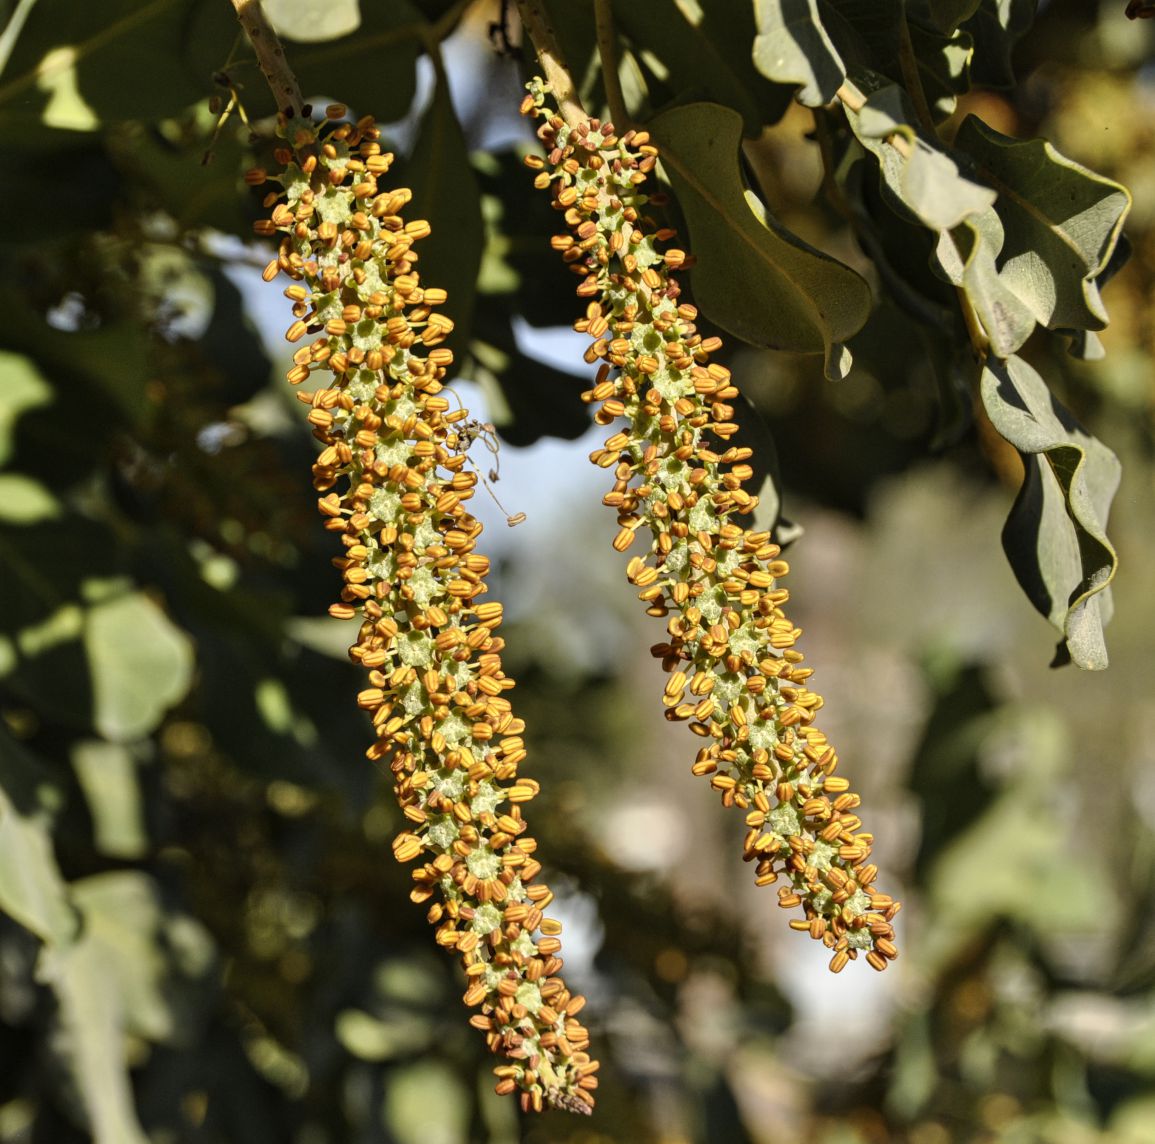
<point>111,362</point>
<point>519,266</point>
<point>792,47</point>
<point>1061,220</point>
<point>702,53</point>
<point>871,36</point>
<point>372,69</point>
<point>446,192</point>
<point>942,15</point>
<point>130,60</point>
<point>996,26</point>
<point>753,278</point>
<point>1055,536</point>
<point>945,774</point>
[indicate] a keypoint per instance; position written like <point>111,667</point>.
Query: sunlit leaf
<point>1055,536</point>
<point>107,775</point>
<point>753,277</point>
<point>32,890</point>
<point>968,255</point>
<point>1061,220</point>
<point>141,664</point>
<point>793,47</point>
<point>25,501</point>
<point>921,176</point>
<point>108,984</point>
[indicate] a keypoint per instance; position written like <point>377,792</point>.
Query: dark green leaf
<point>129,60</point>
<point>528,398</point>
<point>111,363</point>
<point>121,59</point>
<point>446,192</point>
<point>1055,536</point>
<point>945,774</point>
<point>1061,220</point>
<point>702,54</point>
<point>943,15</point>
<point>996,26</point>
<point>753,278</point>
<point>519,265</point>
<point>371,69</point>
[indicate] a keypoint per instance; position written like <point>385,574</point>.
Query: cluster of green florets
<point>735,674</point>
<point>393,471</point>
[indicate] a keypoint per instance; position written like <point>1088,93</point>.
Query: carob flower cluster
<point>392,469</point>
<point>734,671</point>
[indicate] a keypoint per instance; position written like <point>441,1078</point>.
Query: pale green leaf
<point>141,664</point>
<point>753,278</point>
<point>1055,536</point>
<point>792,47</point>
<point>31,888</point>
<point>107,775</point>
<point>22,388</point>
<point>967,255</point>
<point>920,175</point>
<point>1062,222</point>
<point>25,501</point>
<point>107,984</point>
<point>313,21</point>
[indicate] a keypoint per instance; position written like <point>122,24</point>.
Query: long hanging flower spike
<point>714,582</point>
<point>393,456</point>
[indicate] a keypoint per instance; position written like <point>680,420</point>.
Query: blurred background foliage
<point>205,938</point>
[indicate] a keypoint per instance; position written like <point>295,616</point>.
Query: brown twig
<point>538,28</point>
<point>270,55</point>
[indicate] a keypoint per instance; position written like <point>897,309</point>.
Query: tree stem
<point>535,20</point>
<point>270,56</point>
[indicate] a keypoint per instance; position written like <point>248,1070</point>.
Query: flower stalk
<point>393,475</point>
<point>735,674</point>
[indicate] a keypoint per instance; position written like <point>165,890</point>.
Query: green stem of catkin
<point>394,483</point>
<point>735,674</point>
